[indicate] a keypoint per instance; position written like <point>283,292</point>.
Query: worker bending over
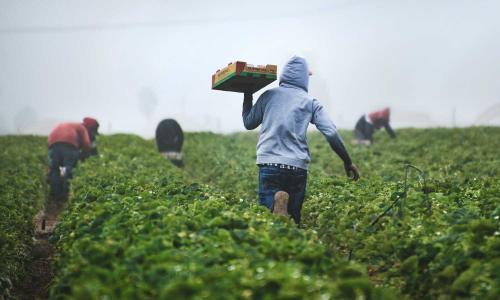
<point>368,124</point>
<point>65,143</point>
<point>169,140</point>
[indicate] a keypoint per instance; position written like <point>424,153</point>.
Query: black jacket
<point>169,136</point>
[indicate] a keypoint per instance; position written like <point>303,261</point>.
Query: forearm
<point>338,147</point>
<point>94,151</point>
<point>390,131</point>
<point>247,105</point>
<point>250,118</point>
<point>83,155</point>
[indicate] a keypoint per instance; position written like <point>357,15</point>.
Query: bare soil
<point>40,270</point>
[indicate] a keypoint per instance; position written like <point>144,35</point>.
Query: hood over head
<point>383,114</point>
<point>90,123</point>
<point>296,73</point>
<point>386,113</point>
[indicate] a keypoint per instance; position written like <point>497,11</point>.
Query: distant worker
<point>369,123</point>
<point>282,151</point>
<point>65,143</point>
<point>169,140</point>
<point>92,126</point>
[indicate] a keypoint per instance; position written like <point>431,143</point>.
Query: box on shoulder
<point>243,77</point>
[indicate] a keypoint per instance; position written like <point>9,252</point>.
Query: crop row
<point>441,240</point>
<point>22,186</point>
<point>137,228</point>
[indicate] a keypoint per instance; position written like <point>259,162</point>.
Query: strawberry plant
<point>22,185</point>
<point>450,251</point>
<point>136,228</point>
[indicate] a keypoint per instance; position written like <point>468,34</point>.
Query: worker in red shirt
<point>65,143</point>
<point>369,123</point>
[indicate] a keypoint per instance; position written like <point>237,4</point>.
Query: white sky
<point>435,62</point>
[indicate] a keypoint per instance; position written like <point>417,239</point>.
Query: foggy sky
<point>132,63</point>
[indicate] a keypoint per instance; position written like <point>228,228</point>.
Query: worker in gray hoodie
<point>282,151</point>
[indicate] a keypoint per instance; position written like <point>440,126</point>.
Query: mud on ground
<point>40,270</point>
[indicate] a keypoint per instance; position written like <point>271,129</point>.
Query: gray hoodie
<point>285,113</point>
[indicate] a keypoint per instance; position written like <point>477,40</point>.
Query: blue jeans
<point>273,179</point>
<point>61,155</point>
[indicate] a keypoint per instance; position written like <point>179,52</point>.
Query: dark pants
<point>273,179</point>
<point>61,155</point>
<point>364,130</point>
<point>177,162</point>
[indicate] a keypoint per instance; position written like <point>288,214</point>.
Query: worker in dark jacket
<point>65,143</point>
<point>284,114</point>
<point>369,123</point>
<point>169,140</point>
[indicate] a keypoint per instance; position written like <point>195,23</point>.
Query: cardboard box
<point>240,77</point>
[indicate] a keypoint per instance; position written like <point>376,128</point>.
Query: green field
<point>448,250</point>
<point>137,227</point>
<point>22,190</point>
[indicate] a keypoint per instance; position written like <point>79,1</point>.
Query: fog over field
<point>132,63</point>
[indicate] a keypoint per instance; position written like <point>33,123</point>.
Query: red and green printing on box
<point>242,77</point>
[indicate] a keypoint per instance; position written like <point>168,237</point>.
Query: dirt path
<point>40,270</point>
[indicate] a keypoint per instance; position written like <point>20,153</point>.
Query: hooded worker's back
<point>287,112</point>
